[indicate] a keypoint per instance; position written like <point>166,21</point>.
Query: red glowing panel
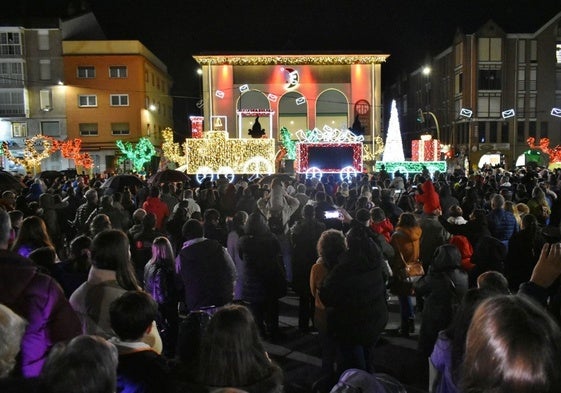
<point>425,150</point>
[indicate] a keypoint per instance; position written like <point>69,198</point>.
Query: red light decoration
<point>425,150</point>
<point>553,153</point>
<point>71,149</point>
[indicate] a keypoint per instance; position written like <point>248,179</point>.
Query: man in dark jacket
<point>502,223</point>
<point>354,294</point>
<point>39,300</point>
<point>206,269</point>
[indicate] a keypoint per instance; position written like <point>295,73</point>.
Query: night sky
<point>408,30</point>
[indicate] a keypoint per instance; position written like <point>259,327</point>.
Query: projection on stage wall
<point>329,157</point>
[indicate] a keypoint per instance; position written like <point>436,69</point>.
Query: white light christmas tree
<point>394,145</point>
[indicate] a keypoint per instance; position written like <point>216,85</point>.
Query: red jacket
<point>159,208</point>
<point>463,244</point>
<point>429,198</point>
<point>383,227</point>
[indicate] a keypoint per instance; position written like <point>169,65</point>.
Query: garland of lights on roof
<point>242,60</point>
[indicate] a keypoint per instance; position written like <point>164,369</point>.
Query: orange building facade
<point>114,90</point>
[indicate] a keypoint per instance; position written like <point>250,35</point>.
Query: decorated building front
<point>255,96</point>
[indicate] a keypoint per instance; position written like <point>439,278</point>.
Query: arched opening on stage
<point>250,105</point>
<point>492,159</point>
<point>293,113</point>
<point>332,109</point>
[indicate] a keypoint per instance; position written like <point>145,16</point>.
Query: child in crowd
<point>456,215</point>
<point>140,368</point>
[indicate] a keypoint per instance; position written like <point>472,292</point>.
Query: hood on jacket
<point>446,257</point>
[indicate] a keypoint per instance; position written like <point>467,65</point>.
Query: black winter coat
<point>444,285</point>
<point>354,295</point>
<point>264,272</point>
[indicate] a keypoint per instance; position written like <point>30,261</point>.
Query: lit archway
<point>332,109</point>
<point>293,112</point>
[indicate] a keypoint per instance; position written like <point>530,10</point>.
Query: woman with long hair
<point>111,275</point>
<point>448,354</point>
<point>265,280</point>
<point>512,345</point>
<point>232,354</point>
<point>539,206</point>
<point>31,236</point>
<point>406,243</point>
<point>330,246</point>
<point>160,282</point>
<point>237,231</point>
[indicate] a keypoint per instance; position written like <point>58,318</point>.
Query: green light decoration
<point>412,167</point>
<point>139,154</point>
<point>288,143</point>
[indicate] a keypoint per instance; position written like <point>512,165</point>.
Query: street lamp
<point>421,119</point>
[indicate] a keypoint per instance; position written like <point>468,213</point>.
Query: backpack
<point>276,224</point>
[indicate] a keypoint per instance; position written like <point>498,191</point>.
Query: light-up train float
<point>316,152</point>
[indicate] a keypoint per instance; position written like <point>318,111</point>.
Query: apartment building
<point>489,91</point>
<point>114,90</point>
<point>32,101</point>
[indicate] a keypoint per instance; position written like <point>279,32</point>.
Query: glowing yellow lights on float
<point>31,157</point>
<point>216,150</point>
<point>172,151</point>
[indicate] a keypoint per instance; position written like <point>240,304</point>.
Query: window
<point>558,53</point>
<point>19,130</point>
<point>50,128</point>
<point>558,78</point>
<point>522,79</point>
<point>86,72</point>
<point>532,106</point>
<point>12,102</point>
<point>120,128</point>
<point>490,49</point>
<point>489,105</point>
<point>505,132</point>
<point>10,44</point>
<point>481,132</point>
<point>43,40</point>
<point>533,78</point>
<point>489,79</point>
<point>520,132</point>
<point>44,70</point>
<point>493,132</point>
<point>88,129</point>
<point>46,100</point>
<point>544,133</point>
<point>119,99</point>
<point>87,100</point>
<point>117,71</point>
<point>532,129</point>
<point>521,51</point>
<point>520,106</point>
<point>533,51</point>
<point>11,73</point>
<point>458,83</point>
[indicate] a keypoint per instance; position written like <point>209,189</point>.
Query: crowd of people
<point>174,287</point>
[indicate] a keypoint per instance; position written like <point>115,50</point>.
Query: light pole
<point>421,118</point>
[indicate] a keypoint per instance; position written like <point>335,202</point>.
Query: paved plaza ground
<point>300,357</point>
